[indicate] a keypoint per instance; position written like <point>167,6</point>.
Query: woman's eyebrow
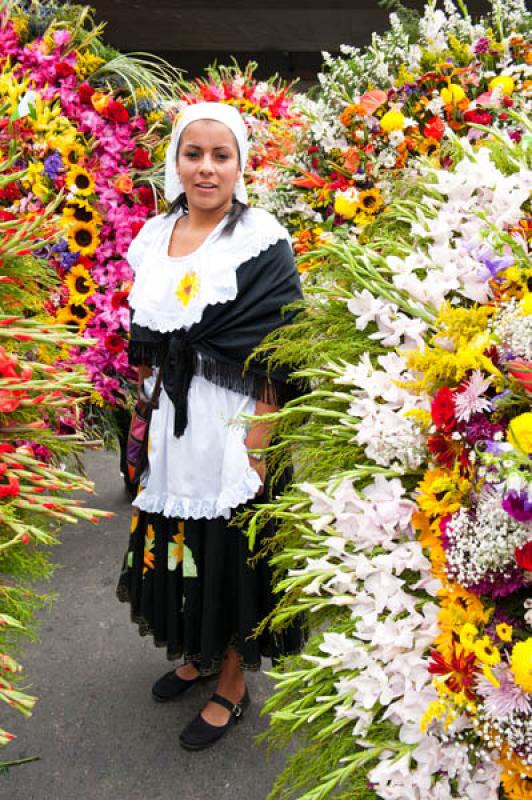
<point>218,147</point>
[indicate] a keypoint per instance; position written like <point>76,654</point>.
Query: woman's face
<point>208,165</point>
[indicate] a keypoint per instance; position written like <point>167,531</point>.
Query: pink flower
<point>507,698</point>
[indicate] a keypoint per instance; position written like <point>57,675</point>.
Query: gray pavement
<point>96,730</point>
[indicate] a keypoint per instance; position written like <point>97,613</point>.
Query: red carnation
<point>114,343</point>
<point>119,300</point>
<point>442,410</point>
<point>85,92</point>
<point>478,117</point>
<point>523,556</point>
<point>63,70</point>
<point>116,112</point>
<point>434,128</point>
<point>145,196</point>
<point>136,227</point>
<point>141,158</point>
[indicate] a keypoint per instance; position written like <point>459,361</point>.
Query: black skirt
<point>191,586</point>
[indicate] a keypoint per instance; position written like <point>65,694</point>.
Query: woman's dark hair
<point>238,209</point>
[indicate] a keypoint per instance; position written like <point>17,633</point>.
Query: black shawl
<point>219,345</point>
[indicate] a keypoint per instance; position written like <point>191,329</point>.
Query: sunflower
<point>370,201</point>
<point>75,315</point>
<point>81,211</point>
<point>71,152</point>
<point>188,288</point>
<point>80,181</point>
<point>83,238</point>
<point>80,284</point>
<point>428,147</point>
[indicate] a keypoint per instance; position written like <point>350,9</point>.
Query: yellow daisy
<point>83,238</point>
<point>80,284</point>
<point>188,288</point>
<point>79,181</point>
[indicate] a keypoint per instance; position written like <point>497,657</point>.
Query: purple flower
<point>53,165</point>
<point>480,429</point>
<point>497,263</point>
<point>507,698</point>
<point>482,45</point>
<point>498,584</point>
<point>518,505</point>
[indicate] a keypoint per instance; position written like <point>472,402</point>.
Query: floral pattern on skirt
<point>191,586</point>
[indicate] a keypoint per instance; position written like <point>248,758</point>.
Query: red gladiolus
<point>442,410</point>
<point>521,371</point>
<point>434,128</point>
<point>63,70</point>
<point>119,300</point>
<point>11,488</point>
<point>141,158</point>
<point>523,556</point>
<point>116,112</point>
<point>85,92</point>
<point>145,196</point>
<point>478,117</point>
<point>114,343</point>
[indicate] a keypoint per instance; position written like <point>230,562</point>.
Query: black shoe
<point>199,733</point>
<point>171,686</point>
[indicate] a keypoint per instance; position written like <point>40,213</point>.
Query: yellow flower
<point>370,200</point>
<point>75,315</point>
<point>504,632</point>
<point>79,181</point>
<point>393,121</point>
<point>346,207</point>
<point>188,288</point>
<point>526,305</point>
<point>83,238</point>
<point>80,284</point>
<point>100,101</point>
<point>81,211</point>
<point>521,664</point>
<point>134,520</point>
<point>452,94</point>
<point>71,152</point>
<point>176,547</point>
<point>520,433</point>
<point>486,652</point>
<point>96,399</point>
<point>434,710</point>
<point>149,544</point>
<point>87,63</point>
<point>504,82</point>
<point>468,634</point>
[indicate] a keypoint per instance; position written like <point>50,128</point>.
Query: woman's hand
<point>259,465</point>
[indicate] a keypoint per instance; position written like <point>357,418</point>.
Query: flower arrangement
<point>91,125</point>
<point>407,538</point>
<point>379,110</point>
<point>38,401</point>
<point>270,110</point>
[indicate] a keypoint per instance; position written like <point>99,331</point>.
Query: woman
<point>211,279</point>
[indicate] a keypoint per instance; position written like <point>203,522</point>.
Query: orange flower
<point>123,183</point>
<point>100,101</point>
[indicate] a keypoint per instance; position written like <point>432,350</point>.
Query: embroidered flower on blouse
<point>188,288</point>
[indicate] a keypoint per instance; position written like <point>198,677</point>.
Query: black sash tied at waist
<point>178,370</point>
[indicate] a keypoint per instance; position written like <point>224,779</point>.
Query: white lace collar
<point>171,293</point>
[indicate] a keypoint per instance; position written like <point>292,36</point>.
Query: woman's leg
<point>231,685</point>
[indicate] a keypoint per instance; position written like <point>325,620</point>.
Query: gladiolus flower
<point>100,101</point>
<point>521,371</point>
<point>141,158</point>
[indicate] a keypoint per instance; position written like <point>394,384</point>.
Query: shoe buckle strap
<point>236,711</point>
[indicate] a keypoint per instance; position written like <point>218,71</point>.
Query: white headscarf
<point>221,112</point>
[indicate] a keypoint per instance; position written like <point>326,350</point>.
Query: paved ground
<point>96,730</point>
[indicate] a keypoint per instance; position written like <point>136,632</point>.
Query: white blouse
<point>206,472</point>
